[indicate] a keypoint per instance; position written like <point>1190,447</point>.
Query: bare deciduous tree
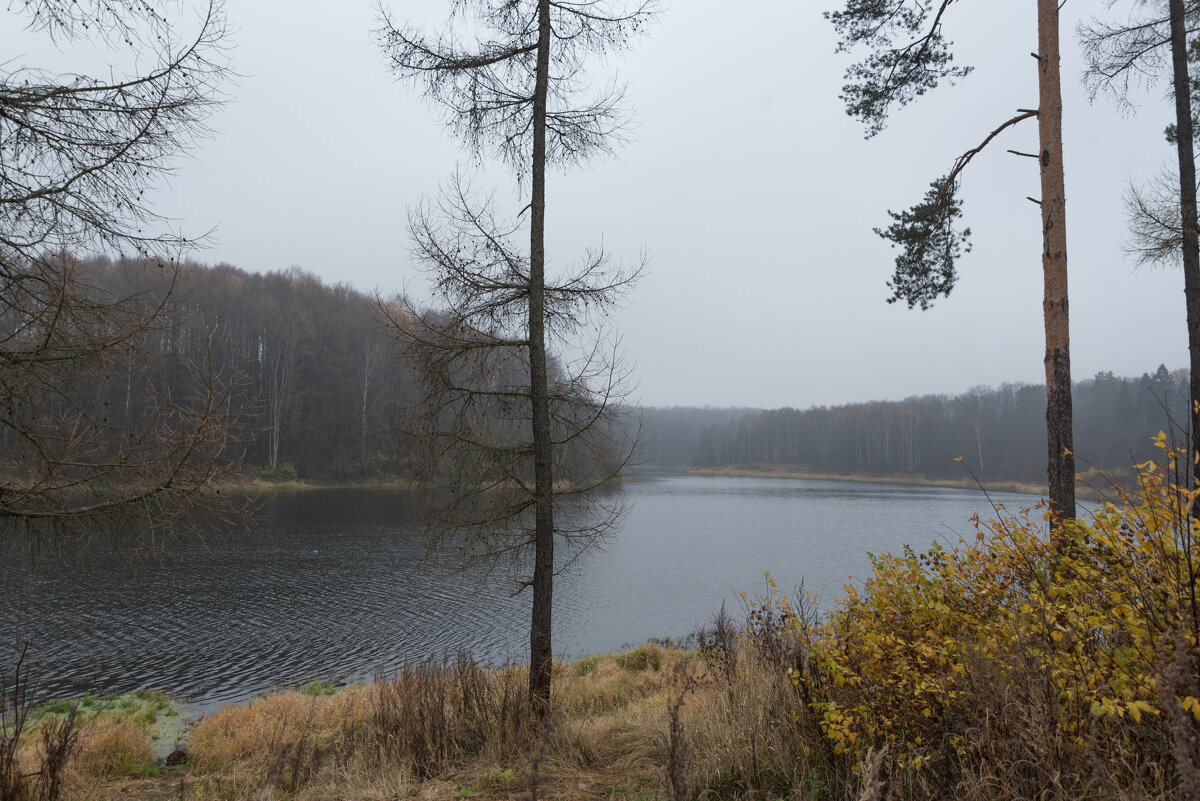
<point>1163,222</point>
<point>474,409</point>
<point>909,55</point>
<point>510,76</point>
<point>78,154</point>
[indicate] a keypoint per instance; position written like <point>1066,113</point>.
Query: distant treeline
<point>671,435</point>
<point>999,432</point>
<point>318,391</point>
<point>321,382</point>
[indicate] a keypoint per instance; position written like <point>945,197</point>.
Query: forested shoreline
<point>997,432</point>
<point>317,392</point>
<point>310,377</point>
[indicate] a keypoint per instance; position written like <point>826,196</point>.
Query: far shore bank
<point>791,471</point>
<point>266,483</point>
<point>256,484</point>
<point>1087,488</point>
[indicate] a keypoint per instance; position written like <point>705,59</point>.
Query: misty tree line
<point>318,378</point>
<point>316,390</point>
<point>999,432</point>
<point>313,382</point>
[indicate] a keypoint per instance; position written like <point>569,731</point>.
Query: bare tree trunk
<point>541,657</point>
<point>497,96</point>
<point>276,420</point>
<point>280,383</point>
<point>978,423</point>
<point>1061,469</point>
<point>1185,143</point>
<point>371,354</point>
<point>128,392</point>
<point>362,433</point>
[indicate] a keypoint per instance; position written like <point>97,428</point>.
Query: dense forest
<point>312,381</point>
<point>308,367</point>
<point>317,391</point>
<point>999,432</point>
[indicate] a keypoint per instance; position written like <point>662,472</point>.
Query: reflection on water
<point>335,584</point>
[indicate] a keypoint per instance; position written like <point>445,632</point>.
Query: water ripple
<point>335,586</point>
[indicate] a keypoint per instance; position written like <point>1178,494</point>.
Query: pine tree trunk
<point>1061,469</point>
<point>540,653</point>
<point>1185,142</point>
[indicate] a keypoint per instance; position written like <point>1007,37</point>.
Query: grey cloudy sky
<point>752,190</point>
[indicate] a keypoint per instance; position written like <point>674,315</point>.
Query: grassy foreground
<point>439,730</point>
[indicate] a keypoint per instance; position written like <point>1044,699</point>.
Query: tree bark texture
<point>1185,142</point>
<point>540,654</point>
<point>1061,468</point>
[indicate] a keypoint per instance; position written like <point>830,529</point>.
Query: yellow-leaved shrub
<point>1024,659</point>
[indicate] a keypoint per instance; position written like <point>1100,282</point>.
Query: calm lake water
<point>334,584</point>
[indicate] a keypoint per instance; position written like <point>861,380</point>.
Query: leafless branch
<point>469,429</point>
<point>1155,225</point>
<point>79,153</point>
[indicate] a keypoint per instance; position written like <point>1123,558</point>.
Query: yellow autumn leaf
<point>1192,704</point>
<point>1136,708</point>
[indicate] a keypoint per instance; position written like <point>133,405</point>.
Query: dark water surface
<point>335,584</point>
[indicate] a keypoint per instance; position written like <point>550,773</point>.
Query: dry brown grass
<point>441,728</point>
<point>115,749</point>
<point>743,735</point>
<point>249,738</point>
<point>60,752</point>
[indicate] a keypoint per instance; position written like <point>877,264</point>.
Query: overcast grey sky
<point>752,190</point>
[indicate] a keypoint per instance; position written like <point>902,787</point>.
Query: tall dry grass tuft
<point>283,741</point>
<point>412,725</point>
<point>539,760</point>
<point>610,710</point>
<point>870,785</point>
<point>16,702</point>
<point>113,749</point>
<point>680,768</point>
<point>751,727</point>
<point>435,712</point>
<point>1180,680</point>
